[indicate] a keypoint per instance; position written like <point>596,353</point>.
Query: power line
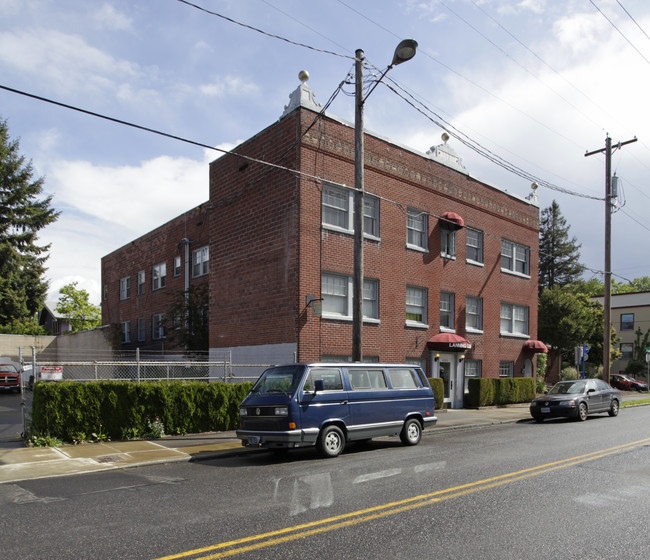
<point>263,32</point>
<point>630,16</point>
<point>619,31</point>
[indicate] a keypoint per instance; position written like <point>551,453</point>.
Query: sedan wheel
<point>582,412</point>
<point>613,409</point>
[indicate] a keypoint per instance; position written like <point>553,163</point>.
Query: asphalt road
<point>525,490</point>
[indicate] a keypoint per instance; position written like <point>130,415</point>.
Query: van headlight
<point>243,412</point>
<point>281,411</point>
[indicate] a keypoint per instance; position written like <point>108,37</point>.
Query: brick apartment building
<point>450,263</point>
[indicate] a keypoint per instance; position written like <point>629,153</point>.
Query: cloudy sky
<point>537,83</point>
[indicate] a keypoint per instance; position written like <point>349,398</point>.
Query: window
<point>416,229</point>
<point>627,351</point>
<point>105,292</point>
<point>141,329</point>
<point>448,243</point>
<point>416,305</point>
<point>330,377</point>
<point>141,282</point>
<point>514,319</point>
<point>506,369</point>
<point>515,258</point>
<point>472,370</point>
<point>200,259</point>
<point>446,310</point>
<point>336,291</point>
<point>126,332</point>
<point>125,287</point>
<point>474,314</point>
<point>474,246</point>
<point>177,266</point>
<point>158,326</point>
<point>627,321</point>
<point>367,379</point>
<point>338,210</point>
<point>403,379</point>
<point>159,276</point>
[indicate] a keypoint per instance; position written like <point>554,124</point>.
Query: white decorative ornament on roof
<point>444,153</point>
<point>302,96</point>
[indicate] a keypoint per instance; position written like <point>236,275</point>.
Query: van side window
<point>403,379</point>
<point>331,378</point>
<point>367,379</point>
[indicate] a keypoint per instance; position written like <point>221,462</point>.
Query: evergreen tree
<point>559,255</point>
<point>23,213</point>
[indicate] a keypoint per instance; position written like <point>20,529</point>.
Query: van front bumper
<point>279,439</point>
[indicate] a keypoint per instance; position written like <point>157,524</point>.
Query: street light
<point>404,51</point>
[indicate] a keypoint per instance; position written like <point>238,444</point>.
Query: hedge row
<point>438,386</point>
<point>71,411</point>
<point>505,390</point>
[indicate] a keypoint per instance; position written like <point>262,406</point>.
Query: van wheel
<point>411,432</point>
<point>331,441</point>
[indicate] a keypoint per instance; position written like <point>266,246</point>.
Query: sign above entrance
<point>449,342</point>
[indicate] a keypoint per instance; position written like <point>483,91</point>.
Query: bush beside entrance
<point>495,392</point>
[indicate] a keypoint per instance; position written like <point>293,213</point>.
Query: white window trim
<point>155,328</point>
<point>482,248</point>
<point>512,334</point>
<point>447,233</point>
<point>467,327</point>
<point>420,248</point>
<point>349,229</point>
<point>349,298</point>
<point>177,269</point>
<point>142,274</point>
<point>125,288</point>
<point>160,278</point>
<point>420,324</point>
<point>126,332</point>
<point>512,271</point>
<point>202,253</point>
<point>444,328</point>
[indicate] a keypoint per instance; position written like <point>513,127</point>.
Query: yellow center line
<point>273,538</point>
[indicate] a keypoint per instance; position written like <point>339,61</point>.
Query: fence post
<point>95,367</point>
<point>137,361</point>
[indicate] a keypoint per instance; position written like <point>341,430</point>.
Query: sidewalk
<point>27,463</point>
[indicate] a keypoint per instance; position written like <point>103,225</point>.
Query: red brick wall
<point>157,246</point>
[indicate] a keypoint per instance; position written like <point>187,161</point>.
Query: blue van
<point>327,404</point>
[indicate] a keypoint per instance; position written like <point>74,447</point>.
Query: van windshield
<point>279,380</point>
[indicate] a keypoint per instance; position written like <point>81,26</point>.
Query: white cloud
<point>107,16</point>
<point>227,86</point>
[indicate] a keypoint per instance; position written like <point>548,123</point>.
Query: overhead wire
<point>633,20</point>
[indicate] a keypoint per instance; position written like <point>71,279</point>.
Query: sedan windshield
<point>568,387</point>
<point>279,380</point>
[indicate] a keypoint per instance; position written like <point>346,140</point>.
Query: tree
<point>189,314</point>
<point>23,213</point>
<point>74,305</point>
<point>638,364</point>
<point>559,255</point>
<point>566,320</point>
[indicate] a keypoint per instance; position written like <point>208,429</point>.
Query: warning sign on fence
<point>52,373</point>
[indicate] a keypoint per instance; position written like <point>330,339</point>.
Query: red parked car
<point>626,383</point>
<point>9,378</point>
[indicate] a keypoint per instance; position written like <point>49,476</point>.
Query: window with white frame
<point>474,314</point>
<point>125,287</point>
<point>515,258</point>
<point>336,291</point>
<point>177,266</point>
<point>447,310</point>
<point>200,260</point>
<point>338,210</point>
<point>142,333</point>
<point>158,326</point>
<point>159,276</point>
<point>141,282</point>
<point>416,305</point>
<point>514,319</point>
<point>416,229</point>
<point>472,370</point>
<point>474,245</point>
<point>448,242</point>
<point>126,332</point>
<point>506,369</point>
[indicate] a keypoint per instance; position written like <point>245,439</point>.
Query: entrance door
<point>446,367</point>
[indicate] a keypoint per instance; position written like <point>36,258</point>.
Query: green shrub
<point>119,409</point>
<point>568,373</point>
<point>501,391</point>
<point>438,386</point>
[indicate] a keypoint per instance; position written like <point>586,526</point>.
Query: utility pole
<point>607,304</point>
<point>357,287</point>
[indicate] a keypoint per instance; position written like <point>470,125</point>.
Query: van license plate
<point>253,440</point>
